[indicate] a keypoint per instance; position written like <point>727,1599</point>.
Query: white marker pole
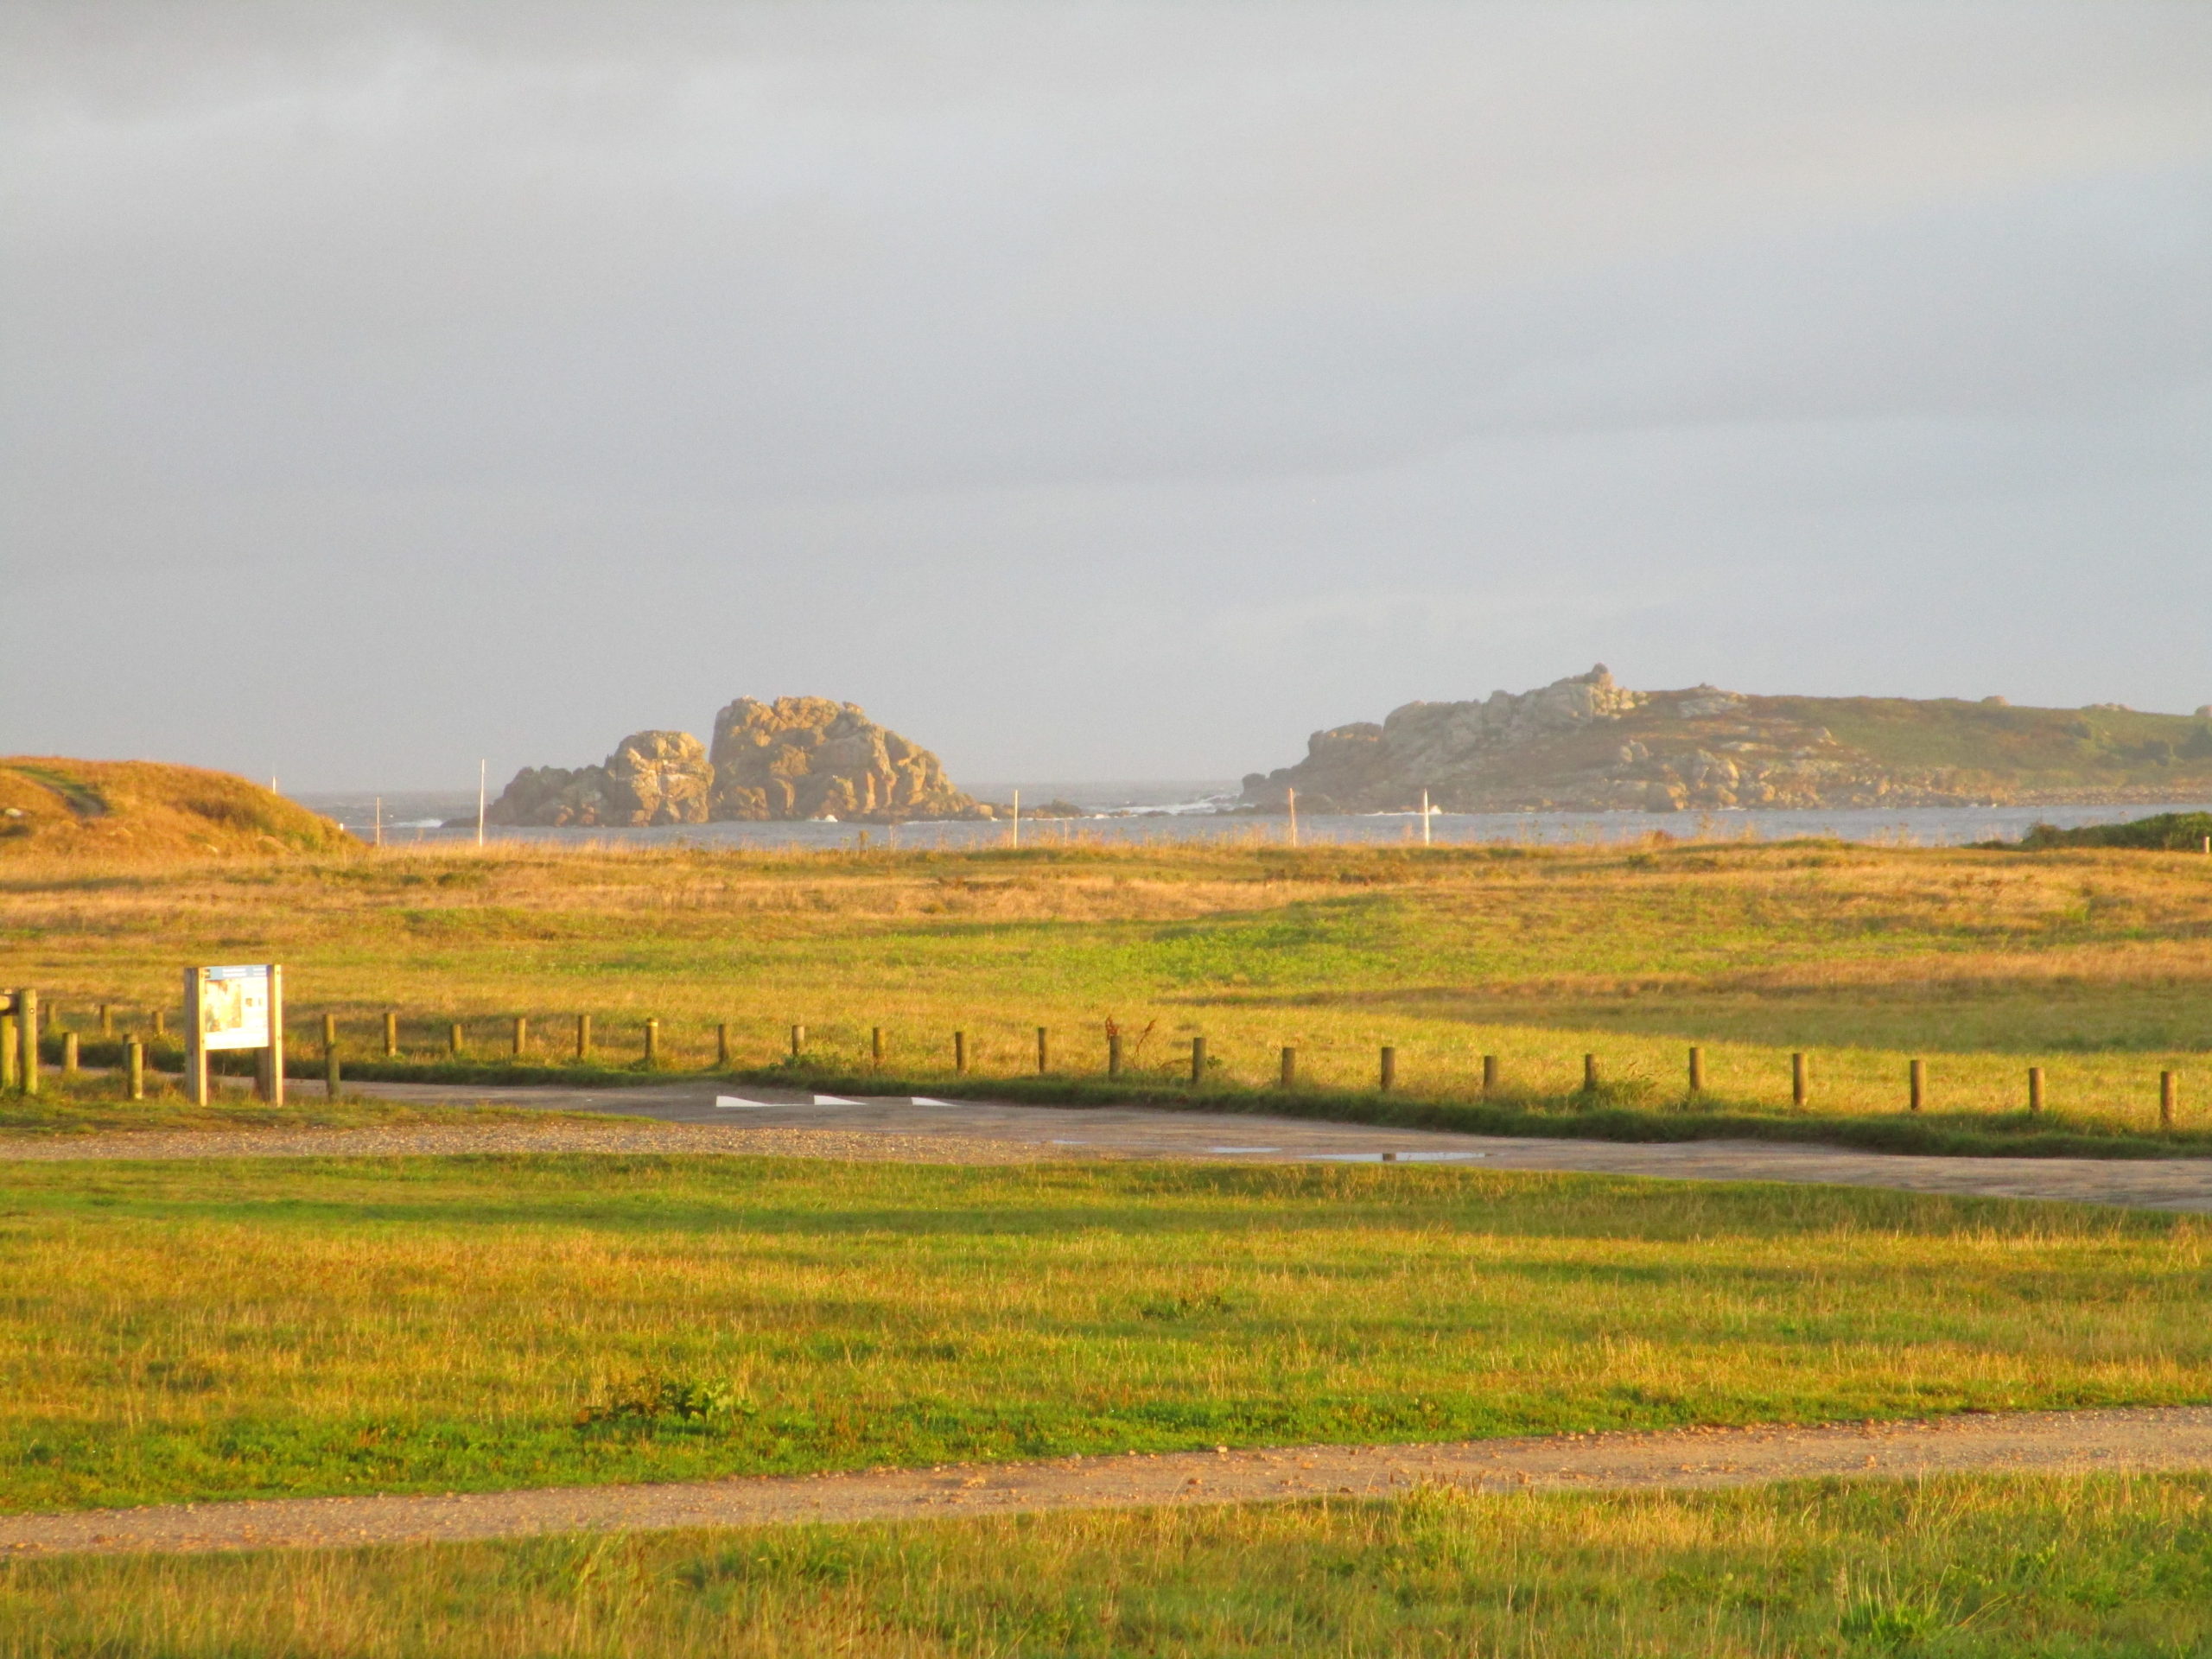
<point>1290,800</point>
<point>1017,818</point>
<point>379,830</point>
<point>1424,817</point>
<point>481,766</point>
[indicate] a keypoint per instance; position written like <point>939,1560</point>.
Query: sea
<point>1139,812</point>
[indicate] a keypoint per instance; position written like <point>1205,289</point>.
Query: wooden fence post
<point>1800,1081</point>
<point>1697,1070</point>
<point>652,1041</point>
<point>1490,1074</point>
<point>583,1037</point>
<point>1589,1074</point>
<point>7,1040</point>
<point>1198,1059</point>
<point>456,1041</point>
<point>2035,1088</point>
<point>2168,1097</point>
<point>522,1035</point>
<point>1290,1068</point>
<point>390,1035</point>
<point>1918,1075</point>
<point>1387,1078</point>
<point>798,1041</point>
<point>1044,1051</point>
<point>1113,1053</point>
<point>721,1045</point>
<point>330,1055</point>
<point>68,1056</point>
<point>160,1022</point>
<point>875,1045</point>
<point>107,1020</point>
<point>134,1065</point>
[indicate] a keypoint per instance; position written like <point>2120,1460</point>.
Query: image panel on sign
<point>234,1007</point>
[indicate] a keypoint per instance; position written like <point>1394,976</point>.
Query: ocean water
<point>1124,812</point>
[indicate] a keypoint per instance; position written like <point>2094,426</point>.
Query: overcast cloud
<point>1088,390</point>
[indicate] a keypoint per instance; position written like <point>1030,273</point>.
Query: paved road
<point>1234,1137</point>
<point>2048,1443</point>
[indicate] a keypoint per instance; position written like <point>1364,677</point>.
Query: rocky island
<point>1585,743</point>
<point>794,757</point>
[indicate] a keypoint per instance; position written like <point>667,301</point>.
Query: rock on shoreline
<point>793,759</point>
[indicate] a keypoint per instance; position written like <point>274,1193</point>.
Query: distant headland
<point>1586,744</point>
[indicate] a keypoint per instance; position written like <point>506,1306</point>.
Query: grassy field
<point>229,1329</point>
<point>2096,965</point>
<point>1985,1567</point>
<point>225,1329</point>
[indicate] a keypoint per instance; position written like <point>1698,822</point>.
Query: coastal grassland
<point>1963,1565</point>
<point>2095,964</point>
<point>225,1328</point>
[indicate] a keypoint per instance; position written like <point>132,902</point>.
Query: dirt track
<point>2038,1442</point>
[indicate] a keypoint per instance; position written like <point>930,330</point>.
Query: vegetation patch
<point>2166,832</point>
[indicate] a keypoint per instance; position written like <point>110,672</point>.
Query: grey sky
<point>1098,391</point>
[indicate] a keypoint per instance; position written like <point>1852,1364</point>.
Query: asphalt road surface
<point>2182,1184</point>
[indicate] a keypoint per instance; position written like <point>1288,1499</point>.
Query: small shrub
<point>648,1403</point>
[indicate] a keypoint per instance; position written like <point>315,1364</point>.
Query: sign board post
<point>235,1008</point>
<point>27,1040</point>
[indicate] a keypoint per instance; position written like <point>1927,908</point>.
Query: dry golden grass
<point>139,812</point>
<point>2095,965</point>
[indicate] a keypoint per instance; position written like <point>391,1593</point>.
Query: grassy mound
<point>2169,832</point>
<point>144,809</point>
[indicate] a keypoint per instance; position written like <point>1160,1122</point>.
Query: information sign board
<point>234,1006</point>
<point>230,1008</point>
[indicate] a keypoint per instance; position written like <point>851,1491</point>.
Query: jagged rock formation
<point>810,758</point>
<point>651,778</point>
<point>794,757</point>
<point>1584,743</point>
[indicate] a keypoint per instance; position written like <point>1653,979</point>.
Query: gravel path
<point>2026,1443</point>
<point>705,1117</point>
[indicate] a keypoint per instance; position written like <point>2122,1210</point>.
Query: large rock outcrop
<point>810,758</point>
<point>1584,743</point>
<point>651,778</point>
<point>794,757</point>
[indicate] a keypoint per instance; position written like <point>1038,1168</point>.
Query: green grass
<point>2000,1567</point>
<point>228,1329</point>
<point>95,1103</point>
